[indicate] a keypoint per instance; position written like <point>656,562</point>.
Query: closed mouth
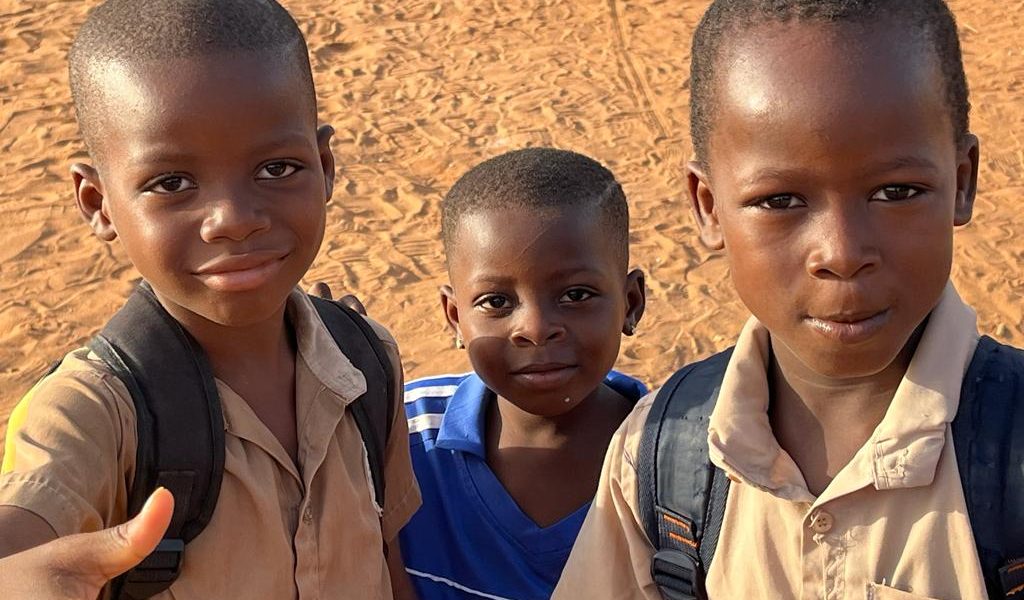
<point>241,272</point>
<point>231,263</point>
<point>850,327</point>
<point>541,368</point>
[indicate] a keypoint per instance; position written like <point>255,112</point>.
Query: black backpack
<point>682,494</point>
<point>181,427</point>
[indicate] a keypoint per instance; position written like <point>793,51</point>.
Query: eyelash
<point>166,177</point>
<point>762,202</point>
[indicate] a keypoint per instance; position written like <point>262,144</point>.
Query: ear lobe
<point>702,204</point>
<point>451,308</point>
<point>323,142</point>
<point>91,201</point>
<point>636,301</point>
<point>966,180</point>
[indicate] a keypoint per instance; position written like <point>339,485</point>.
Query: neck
<point>823,421</point>
<point>508,421</point>
<point>264,346</point>
<point>825,397</point>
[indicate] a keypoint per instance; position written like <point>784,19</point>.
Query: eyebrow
<point>560,274</point>
<point>884,166</point>
<point>163,153</point>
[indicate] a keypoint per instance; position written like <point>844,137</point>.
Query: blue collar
<point>463,425</point>
<point>462,428</point>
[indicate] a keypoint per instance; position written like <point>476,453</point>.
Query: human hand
<point>322,290</point>
<point>77,567</point>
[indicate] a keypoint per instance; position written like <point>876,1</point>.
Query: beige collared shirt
<point>280,530</point>
<point>893,523</point>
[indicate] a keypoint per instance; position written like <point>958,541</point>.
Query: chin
<point>846,364</point>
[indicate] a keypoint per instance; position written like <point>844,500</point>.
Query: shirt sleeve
<point>401,493</point>
<point>65,452</point>
<point>612,555</point>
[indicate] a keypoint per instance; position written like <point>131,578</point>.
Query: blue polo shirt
<point>469,539</point>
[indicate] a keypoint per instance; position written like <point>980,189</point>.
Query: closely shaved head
<point>929,22</point>
<point>137,35</point>
<point>539,179</point>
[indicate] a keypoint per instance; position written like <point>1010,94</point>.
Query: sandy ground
<point>420,91</point>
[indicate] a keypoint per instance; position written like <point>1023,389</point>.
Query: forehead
<point>815,86</point>
<point>532,240</point>
<point>236,94</point>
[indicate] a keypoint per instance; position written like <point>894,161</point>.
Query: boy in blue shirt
<point>508,457</point>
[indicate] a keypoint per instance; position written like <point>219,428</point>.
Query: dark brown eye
<point>780,202</point>
<point>895,193</point>
<point>171,184</point>
<point>276,170</point>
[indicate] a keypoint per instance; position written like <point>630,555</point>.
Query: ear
<point>636,300</point>
<point>968,157</point>
<point>702,203</point>
<point>323,142</point>
<point>91,201</point>
<point>451,308</point>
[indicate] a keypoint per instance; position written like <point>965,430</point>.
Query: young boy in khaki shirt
<point>833,161</point>
<point>209,167</point>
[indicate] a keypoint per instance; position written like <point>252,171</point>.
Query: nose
<point>233,215</point>
<point>536,326</point>
<point>845,244</point>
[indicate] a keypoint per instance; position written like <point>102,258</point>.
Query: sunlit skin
<point>833,185</point>
<point>541,300</point>
<point>216,189</point>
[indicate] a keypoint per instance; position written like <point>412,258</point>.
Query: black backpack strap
<point>374,411</point>
<point>681,493</point>
<point>988,437</point>
<point>180,429</point>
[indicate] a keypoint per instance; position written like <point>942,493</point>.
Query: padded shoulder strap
<point>988,436</point>
<point>180,429</point>
<point>682,495</point>
<point>374,411</point>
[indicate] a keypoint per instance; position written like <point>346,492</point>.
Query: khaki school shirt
<point>892,525</point>
<point>279,530</point>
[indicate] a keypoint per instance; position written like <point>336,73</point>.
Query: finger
<point>320,289</point>
<point>101,556</point>
<point>352,302</point>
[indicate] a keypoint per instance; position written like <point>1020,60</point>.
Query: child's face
<point>834,182</point>
<point>213,175</point>
<point>540,299</point>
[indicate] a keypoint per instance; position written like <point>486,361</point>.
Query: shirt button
<point>307,516</point>
<point>822,522</point>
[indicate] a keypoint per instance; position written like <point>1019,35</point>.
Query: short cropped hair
<point>539,179</point>
<point>129,31</point>
<point>930,19</point>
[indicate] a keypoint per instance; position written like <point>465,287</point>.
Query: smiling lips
<point>241,272</point>
<point>850,328</point>
<point>545,376</point>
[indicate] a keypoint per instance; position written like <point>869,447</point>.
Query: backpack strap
<point>682,494</point>
<point>988,436</point>
<point>180,429</point>
<point>374,411</point>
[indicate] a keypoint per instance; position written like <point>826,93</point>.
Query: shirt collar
<point>904,449</point>
<point>463,423</point>
<point>320,352</point>
<point>462,427</point>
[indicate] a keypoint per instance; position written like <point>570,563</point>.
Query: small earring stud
<point>459,344</point>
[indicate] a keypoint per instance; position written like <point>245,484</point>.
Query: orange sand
<point>421,90</point>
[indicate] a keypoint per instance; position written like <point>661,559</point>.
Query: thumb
<point>101,556</point>
<point>320,289</point>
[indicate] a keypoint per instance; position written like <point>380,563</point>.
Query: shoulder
<point>79,382</point>
<point>995,359</point>
<point>426,401</point>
